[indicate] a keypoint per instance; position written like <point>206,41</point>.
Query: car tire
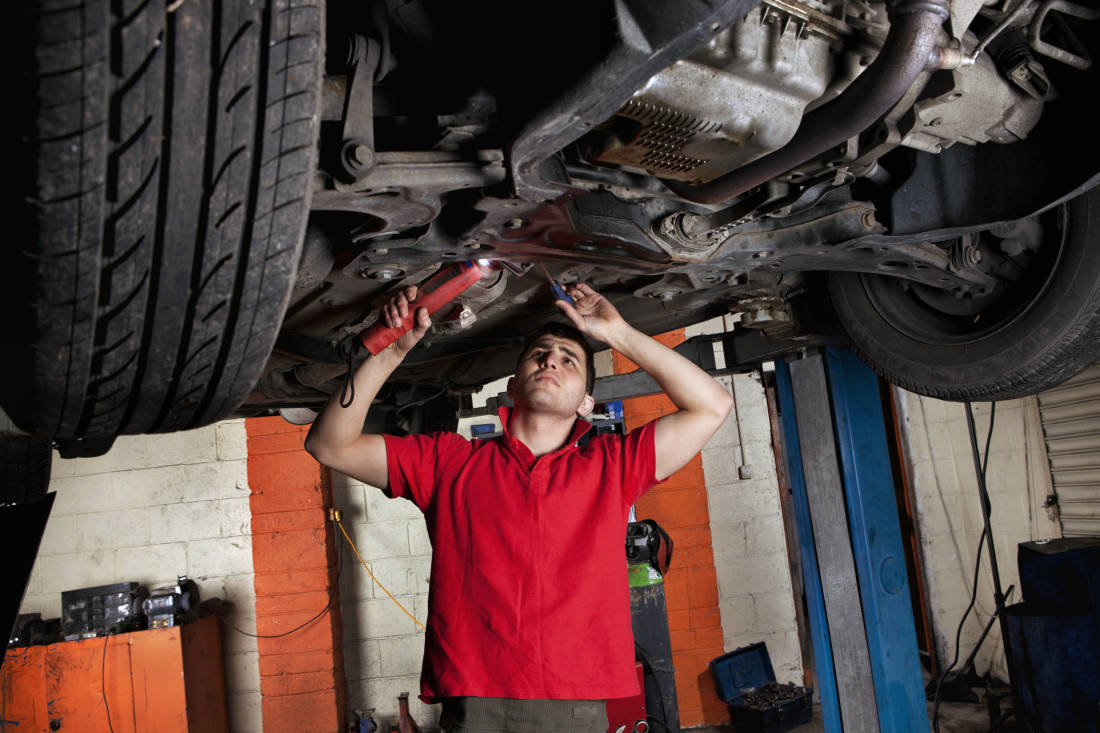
<point>1045,330</point>
<point>25,463</point>
<point>169,153</point>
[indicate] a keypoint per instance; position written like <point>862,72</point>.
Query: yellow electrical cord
<point>356,551</point>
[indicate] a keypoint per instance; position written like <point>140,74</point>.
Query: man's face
<point>551,378</point>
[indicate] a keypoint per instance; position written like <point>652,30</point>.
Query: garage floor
<point>954,718</point>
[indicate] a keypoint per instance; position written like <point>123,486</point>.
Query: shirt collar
<point>580,427</point>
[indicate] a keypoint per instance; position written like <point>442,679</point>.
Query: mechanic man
<point>529,610</point>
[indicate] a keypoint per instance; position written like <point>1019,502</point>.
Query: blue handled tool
<point>556,287</point>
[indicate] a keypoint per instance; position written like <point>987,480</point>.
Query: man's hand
<point>396,310</point>
<point>702,403</point>
<point>593,314</point>
<point>336,438</point>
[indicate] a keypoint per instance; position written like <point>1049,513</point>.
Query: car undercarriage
<point>915,178</point>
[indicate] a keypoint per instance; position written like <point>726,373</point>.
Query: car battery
<point>88,612</point>
<point>757,703</point>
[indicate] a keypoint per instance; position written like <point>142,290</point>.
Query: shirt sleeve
<point>415,464</point>
<point>639,463</point>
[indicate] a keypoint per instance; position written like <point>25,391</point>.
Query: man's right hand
<point>396,310</point>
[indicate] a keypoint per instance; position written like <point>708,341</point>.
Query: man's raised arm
<point>702,404</point>
<point>336,438</point>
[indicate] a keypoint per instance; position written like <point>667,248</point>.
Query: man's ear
<point>586,406</point>
<point>508,389</point>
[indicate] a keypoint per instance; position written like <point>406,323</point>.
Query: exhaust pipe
<point>907,51</point>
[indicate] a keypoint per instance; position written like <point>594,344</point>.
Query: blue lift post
<point>874,528</point>
<point>876,543</point>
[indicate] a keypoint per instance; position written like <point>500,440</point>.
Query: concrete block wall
<point>383,647</point>
<point>750,548</point>
<point>944,484</point>
<point>152,508</point>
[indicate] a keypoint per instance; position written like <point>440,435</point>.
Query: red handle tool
<point>436,292</point>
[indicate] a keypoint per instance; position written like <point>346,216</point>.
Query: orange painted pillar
<point>293,553</point>
<point>679,505</point>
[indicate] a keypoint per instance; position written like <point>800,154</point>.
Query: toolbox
<point>757,703</point>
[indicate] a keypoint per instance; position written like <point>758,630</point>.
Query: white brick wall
<point>746,524</point>
<point>383,648</point>
<point>949,519</point>
<point>152,508</point>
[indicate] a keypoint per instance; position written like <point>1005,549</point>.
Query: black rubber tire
<point>170,150</point>
<point>24,468</point>
<point>1039,345</point>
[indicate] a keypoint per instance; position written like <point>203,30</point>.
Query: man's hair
<point>561,330</point>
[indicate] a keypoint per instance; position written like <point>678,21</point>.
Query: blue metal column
<point>811,578</point>
<point>876,543</point>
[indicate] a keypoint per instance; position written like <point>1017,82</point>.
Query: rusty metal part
<point>905,54</point>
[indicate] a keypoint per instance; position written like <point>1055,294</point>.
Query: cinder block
<point>235,517</point>
<point>753,575</point>
<point>61,467</point>
<point>185,522</point>
<point>419,541</point>
<point>240,590</point>
<point>81,494</point>
<point>401,655</point>
<point>355,583</point>
<point>220,556</point>
<point>59,537</point>
<point>397,574</point>
<point>153,564</point>
<point>764,536</point>
<point>742,500</point>
<point>379,618</point>
<point>932,411</point>
<point>184,447</point>
<point>381,508</point>
<point>761,457</point>
<point>246,712</point>
<point>147,487</point>
<point>940,440</point>
<point>221,480</point>
<point>242,672</point>
<point>231,440</point>
<point>382,539</point>
<point>720,464</point>
<point>47,604</point>
<point>774,610</point>
<point>56,573</point>
<point>738,615</point>
<point>126,528</point>
<point>362,659</point>
<point>128,451</point>
<point>603,363</point>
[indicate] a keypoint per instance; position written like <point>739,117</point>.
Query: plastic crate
<point>745,670</point>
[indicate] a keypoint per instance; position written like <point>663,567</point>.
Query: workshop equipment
<point>31,629</point>
<point>172,605</point>
<point>88,612</point>
<point>628,714</point>
<point>745,681</point>
<point>1055,634</point>
<point>861,620</point>
<point>434,293</point>
<point>556,287</point>
<point>21,529</point>
<point>405,723</point>
<point>156,681</point>
<point>649,552</point>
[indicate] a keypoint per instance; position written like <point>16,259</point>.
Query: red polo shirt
<point>528,595</point>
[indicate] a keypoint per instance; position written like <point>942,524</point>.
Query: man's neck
<point>541,432</point>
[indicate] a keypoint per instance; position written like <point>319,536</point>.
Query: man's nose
<point>550,360</point>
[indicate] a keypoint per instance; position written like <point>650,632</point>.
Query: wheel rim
<point>938,318</point>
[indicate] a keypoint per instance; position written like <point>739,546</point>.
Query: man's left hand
<point>592,314</point>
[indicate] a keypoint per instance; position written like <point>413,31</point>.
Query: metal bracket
<point>357,151</point>
<point>1078,60</point>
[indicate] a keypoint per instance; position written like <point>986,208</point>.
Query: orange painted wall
<point>679,505</point>
<point>293,554</point>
